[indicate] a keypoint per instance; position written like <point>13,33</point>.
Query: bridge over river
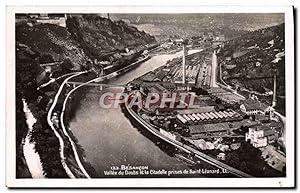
<point>96,84</point>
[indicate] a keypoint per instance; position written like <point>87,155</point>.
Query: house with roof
<point>253,107</point>
<point>260,136</point>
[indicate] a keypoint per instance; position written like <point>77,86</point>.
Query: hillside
<point>101,37</point>
<point>27,69</point>
<point>86,37</point>
<point>52,41</point>
<point>250,62</point>
<point>76,47</point>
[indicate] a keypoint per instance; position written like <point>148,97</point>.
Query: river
<point>108,137</point>
<point>31,156</point>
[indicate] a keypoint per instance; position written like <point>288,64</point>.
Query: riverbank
<point>76,156</point>
<point>31,156</point>
<point>73,156</point>
<point>22,170</point>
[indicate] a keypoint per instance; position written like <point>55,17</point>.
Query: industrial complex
<point>196,110</point>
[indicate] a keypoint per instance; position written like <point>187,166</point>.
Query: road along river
<point>108,137</point>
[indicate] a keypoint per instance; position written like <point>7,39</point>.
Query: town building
<point>59,20</point>
<point>253,107</point>
<point>225,95</point>
<point>170,135</point>
<point>197,116</point>
<point>260,136</point>
<point>221,156</point>
<point>43,18</point>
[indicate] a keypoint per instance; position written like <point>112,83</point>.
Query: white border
<point>152,182</point>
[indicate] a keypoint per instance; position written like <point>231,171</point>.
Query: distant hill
<point>191,24</point>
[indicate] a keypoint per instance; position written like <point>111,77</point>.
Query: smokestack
<point>183,64</point>
<point>274,92</point>
<point>214,64</point>
<point>108,16</point>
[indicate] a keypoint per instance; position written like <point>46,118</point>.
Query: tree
<point>233,160</point>
<point>46,58</point>
<point>243,167</point>
<point>66,65</point>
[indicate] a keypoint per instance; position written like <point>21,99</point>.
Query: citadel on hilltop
<point>42,18</point>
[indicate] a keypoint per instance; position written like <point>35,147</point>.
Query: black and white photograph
<point>123,94</point>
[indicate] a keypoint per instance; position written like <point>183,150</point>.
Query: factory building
<point>208,117</point>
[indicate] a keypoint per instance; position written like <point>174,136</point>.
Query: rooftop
<point>266,130</point>
<point>198,110</point>
<point>194,129</point>
<point>251,104</point>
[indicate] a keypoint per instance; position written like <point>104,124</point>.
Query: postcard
<point>149,97</point>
